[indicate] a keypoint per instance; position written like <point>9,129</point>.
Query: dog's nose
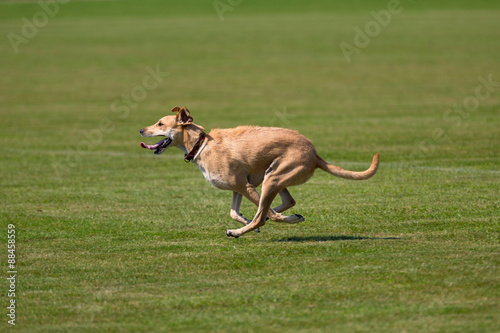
<point>142,131</point>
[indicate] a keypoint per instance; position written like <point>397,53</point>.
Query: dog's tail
<point>339,172</point>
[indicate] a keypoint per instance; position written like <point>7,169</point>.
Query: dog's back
<point>255,145</point>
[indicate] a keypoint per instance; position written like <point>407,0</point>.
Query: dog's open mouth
<point>158,147</point>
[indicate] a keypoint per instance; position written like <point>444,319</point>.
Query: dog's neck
<point>191,135</point>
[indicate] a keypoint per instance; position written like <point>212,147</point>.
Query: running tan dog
<point>241,158</point>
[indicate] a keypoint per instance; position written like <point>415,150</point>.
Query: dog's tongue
<point>152,147</point>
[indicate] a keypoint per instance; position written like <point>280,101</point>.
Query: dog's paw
<point>298,218</point>
<point>230,233</point>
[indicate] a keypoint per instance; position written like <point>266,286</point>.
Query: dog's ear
<point>183,117</point>
<point>176,109</point>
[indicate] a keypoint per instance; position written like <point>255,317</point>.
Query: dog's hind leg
<point>260,218</point>
<point>274,182</point>
<point>251,194</point>
<point>287,201</point>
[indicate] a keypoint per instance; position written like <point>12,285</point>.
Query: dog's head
<point>171,127</point>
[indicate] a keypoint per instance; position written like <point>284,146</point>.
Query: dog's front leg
<point>235,210</point>
<point>269,192</point>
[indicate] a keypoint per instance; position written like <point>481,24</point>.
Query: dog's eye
<point>160,124</point>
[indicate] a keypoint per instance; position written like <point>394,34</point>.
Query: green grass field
<point>110,238</point>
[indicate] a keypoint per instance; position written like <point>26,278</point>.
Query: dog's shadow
<point>331,238</point>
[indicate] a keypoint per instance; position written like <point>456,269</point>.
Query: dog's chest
<point>214,178</point>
